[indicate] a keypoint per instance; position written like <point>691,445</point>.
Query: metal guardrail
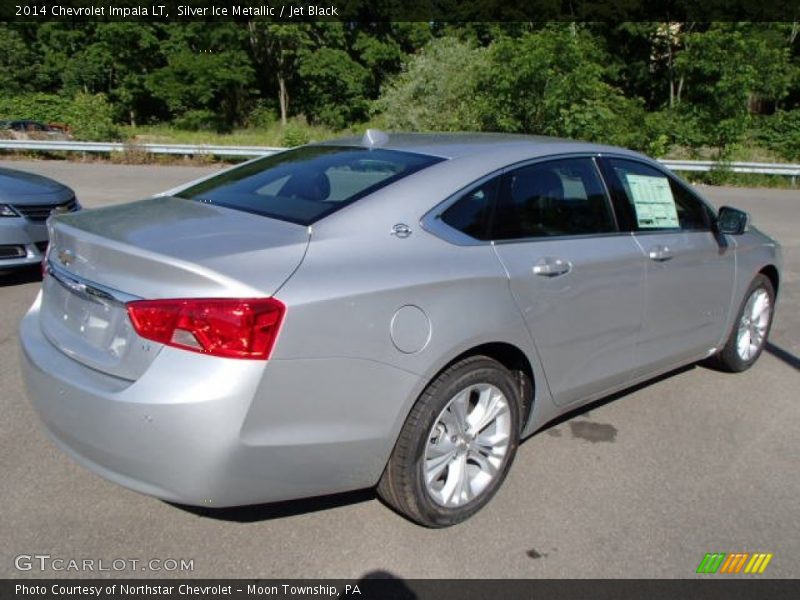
<point>180,149</point>
<point>791,170</point>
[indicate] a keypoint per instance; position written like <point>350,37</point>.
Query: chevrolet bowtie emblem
<point>58,210</point>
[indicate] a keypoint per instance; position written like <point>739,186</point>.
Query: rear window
<point>306,184</point>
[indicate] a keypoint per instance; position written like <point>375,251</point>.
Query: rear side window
<point>656,201</point>
<point>308,183</point>
<point>556,198</point>
<point>471,213</point>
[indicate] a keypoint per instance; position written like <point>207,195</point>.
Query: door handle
<point>552,267</point>
<point>660,253</point>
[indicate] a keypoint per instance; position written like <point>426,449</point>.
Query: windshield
<point>308,183</point>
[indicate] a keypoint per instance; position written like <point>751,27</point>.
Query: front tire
<point>751,328</point>
<point>456,445</point>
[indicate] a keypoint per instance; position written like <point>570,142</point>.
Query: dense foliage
<point>652,86</point>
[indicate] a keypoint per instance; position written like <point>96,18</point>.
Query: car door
<point>577,279</point>
<point>689,268</point>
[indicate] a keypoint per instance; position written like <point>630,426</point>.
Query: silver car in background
<point>395,311</point>
<point>26,200</point>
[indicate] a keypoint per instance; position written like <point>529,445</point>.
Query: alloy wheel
<point>753,324</point>
<point>467,445</point>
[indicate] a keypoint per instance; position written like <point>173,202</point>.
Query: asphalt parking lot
<point>641,485</point>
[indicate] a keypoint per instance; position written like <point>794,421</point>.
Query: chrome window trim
<point>433,224</point>
<point>643,232</point>
<point>558,238</point>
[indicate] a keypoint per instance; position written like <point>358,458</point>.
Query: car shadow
<point>384,584</point>
<point>783,355</point>
<point>279,510</point>
<point>21,276</point>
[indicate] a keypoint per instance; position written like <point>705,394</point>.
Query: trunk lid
<point>158,248</point>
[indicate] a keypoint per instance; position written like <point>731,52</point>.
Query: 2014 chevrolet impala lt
<point>394,310</point>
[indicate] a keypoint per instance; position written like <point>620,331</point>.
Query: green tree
<point>136,52</point>
<point>275,49</point>
<point>551,82</point>
<point>110,58</point>
<point>383,48</point>
<point>437,91</point>
<point>335,87</point>
<point>724,68</point>
<point>191,82</point>
<point>206,70</point>
<point>17,61</point>
<point>56,43</point>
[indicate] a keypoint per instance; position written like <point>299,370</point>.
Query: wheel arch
<point>771,273</point>
<point>513,359</point>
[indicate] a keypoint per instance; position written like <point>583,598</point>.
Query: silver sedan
<point>26,200</point>
<point>397,311</point>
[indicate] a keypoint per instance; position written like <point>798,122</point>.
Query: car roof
<point>457,145</point>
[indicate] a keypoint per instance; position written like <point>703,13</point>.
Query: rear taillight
<point>227,327</point>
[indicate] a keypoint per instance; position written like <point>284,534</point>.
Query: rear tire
<point>456,445</point>
<point>751,328</point>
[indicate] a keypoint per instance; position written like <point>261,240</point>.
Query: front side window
<point>556,198</point>
<point>308,183</point>
<point>656,201</point>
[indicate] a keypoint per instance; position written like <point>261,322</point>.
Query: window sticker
<point>653,201</point>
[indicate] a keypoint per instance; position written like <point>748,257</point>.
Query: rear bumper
<point>219,432</point>
<point>28,236</point>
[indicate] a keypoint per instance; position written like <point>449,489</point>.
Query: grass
<point>294,133</point>
<point>164,134</point>
<point>750,180</point>
<point>749,152</point>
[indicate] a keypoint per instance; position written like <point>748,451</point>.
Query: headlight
<point>7,211</point>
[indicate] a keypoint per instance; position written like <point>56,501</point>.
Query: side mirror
<point>732,221</point>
